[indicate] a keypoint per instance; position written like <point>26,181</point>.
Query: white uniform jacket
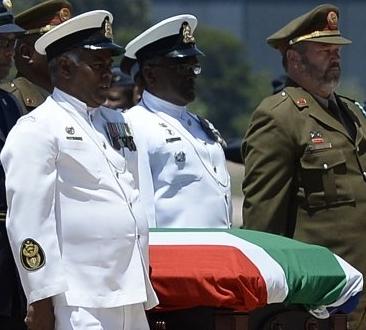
<point>76,227</point>
<point>184,181</point>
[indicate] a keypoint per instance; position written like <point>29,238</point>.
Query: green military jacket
<point>28,95</point>
<point>305,177</point>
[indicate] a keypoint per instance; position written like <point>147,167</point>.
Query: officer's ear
<point>66,67</point>
<point>25,52</point>
<point>148,74</point>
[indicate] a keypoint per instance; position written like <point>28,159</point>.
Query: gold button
<point>29,100</point>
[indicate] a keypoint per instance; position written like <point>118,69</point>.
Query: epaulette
<point>8,86</point>
<point>29,92</point>
<point>273,101</point>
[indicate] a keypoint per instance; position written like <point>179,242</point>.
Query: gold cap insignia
<point>7,4</point>
<point>332,20</point>
<point>64,14</point>
<point>31,255</point>
<point>187,33</point>
<point>108,33</point>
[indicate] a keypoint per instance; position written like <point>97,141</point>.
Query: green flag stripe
<point>314,276</point>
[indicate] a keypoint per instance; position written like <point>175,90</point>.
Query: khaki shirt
<point>304,174</point>
<point>28,94</point>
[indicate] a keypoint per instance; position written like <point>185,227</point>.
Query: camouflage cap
<point>42,17</point>
<point>318,25</point>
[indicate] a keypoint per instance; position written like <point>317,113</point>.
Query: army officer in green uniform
<point>32,83</point>
<point>305,148</point>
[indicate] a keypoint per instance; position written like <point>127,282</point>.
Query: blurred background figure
<point>124,93</point>
<point>32,83</point>
<point>279,83</point>
<point>12,300</point>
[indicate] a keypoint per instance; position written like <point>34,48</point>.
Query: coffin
<point>239,279</point>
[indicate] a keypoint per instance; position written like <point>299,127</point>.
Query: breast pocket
<point>324,179</point>
<point>80,159</point>
<point>177,164</point>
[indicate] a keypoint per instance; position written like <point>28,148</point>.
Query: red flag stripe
<point>206,275</point>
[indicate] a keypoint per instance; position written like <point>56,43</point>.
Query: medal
<point>212,132</point>
<point>120,136</point>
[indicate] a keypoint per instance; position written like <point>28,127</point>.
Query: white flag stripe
<point>271,272</point>
<point>354,282</point>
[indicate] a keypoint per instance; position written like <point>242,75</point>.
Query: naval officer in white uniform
<point>183,175</point>
<point>77,230</point>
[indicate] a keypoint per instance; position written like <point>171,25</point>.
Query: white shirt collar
<point>71,103</point>
<point>158,104</point>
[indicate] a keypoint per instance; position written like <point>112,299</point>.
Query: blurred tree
<point>227,88</point>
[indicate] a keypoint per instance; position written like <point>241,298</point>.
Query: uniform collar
<point>72,103</point>
<point>158,104</point>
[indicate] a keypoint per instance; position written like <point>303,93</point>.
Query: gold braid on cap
<point>315,34</point>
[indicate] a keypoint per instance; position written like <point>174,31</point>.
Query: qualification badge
<point>180,157</point>
<point>31,255</point>
<point>120,136</point>
<point>70,130</point>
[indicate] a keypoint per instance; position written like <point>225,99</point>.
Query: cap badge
<point>108,33</point>
<point>31,255</point>
<point>7,4</point>
<point>332,20</point>
<point>187,33</point>
<point>64,14</point>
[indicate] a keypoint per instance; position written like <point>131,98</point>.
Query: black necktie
<point>343,117</point>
